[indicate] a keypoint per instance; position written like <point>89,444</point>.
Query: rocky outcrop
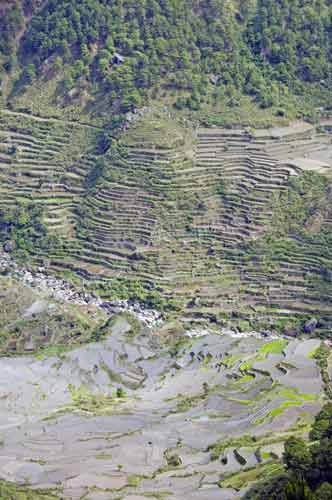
<point>62,290</point>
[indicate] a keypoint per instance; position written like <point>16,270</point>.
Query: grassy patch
<point>247,365</point>
<point>322,356</point>
<point>134,480</point>
<point>57,350</point>
<point>221,445</point>
<point>187,402</point>
<point>244,478</point>
<point>292,394</point>
<point>99,404</point>
<point>274,347</point>
<point>312,354</point>
<point>10,491</point>
<point>93,404</point>
<point>160,130</point>
<point>245,379</point>
<point>292,397</point>
<point>104,457</point>
<point>237,400</point>
<point>283,407</point>
<point>230,361</point>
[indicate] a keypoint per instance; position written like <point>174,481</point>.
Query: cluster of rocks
<point>232,332</point>
<point>258,335</point>
<point>149,317</point>
<point>132,116</point>
<point>63,291</point>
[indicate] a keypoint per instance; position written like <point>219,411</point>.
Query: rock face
<point>63,291</point>
<point>9,246</point>
<point>310,325</point>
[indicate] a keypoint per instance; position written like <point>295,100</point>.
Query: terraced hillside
<point>184,210</point>
<point>131,418</point>
<point>45,161</point>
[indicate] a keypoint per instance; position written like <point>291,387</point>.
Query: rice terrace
<point>165,250</point>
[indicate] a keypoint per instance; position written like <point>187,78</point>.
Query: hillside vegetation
<point>176,217</point>
<point>193,54</point>
<point>110,170</point>
<point>175,155</point>
<point>308,468</point>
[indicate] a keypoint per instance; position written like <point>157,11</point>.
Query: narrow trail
<point>51,119</point>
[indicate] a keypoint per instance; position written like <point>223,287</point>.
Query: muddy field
<point>130,419</point>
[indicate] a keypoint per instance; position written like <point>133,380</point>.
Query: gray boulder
<point>310,325</point>
<point>9,246</point>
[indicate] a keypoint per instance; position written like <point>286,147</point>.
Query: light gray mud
<point>127,418</point>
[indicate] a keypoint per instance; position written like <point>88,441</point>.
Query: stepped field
<point>136,415</point>
<point>165,250</point>
<point>191,212</point>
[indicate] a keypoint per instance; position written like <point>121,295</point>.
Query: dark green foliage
<point>126,48</point>
<point>120,392</point>
<point>134,290</point>
<point>321,463</point>
<point>10,23</point>
<point>309,468</point>
<point>179,47</point>
<point>322,427</point>
<point>28,74</point>
<point>158,41</point>
<point>296,488</point>
<point>322,356</point>
<point>104,142</point>
<point>297,456</point>
<point>293,39</point>
<point>324,492</point>
<point>22,228</point>
<point>95,173</point>
<point>273,489</point>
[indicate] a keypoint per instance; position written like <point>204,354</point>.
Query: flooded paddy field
<point>130,418</point>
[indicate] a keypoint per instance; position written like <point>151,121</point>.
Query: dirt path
<point>42,119</point>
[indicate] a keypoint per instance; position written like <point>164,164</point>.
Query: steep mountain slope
<point>208,223</point>
<point>144,201</point>
<point>95,54</point>
<point>171,159</point>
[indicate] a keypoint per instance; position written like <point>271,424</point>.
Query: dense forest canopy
<point>179,47</point>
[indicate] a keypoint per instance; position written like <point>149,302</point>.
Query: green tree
<point>322,427</point>
<point>297,489</point>
<point>296,456</point>
<point>324,492</point>
<point>29,73</point>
